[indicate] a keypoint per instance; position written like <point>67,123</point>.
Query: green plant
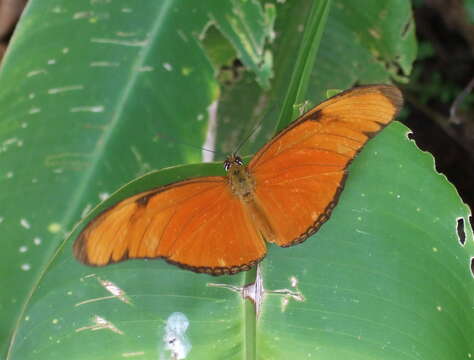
<point>90,94</point>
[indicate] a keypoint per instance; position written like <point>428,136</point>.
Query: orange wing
<point>197,224</point>
<point>300,173</point>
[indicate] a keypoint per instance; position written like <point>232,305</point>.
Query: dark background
<point>439,98</point>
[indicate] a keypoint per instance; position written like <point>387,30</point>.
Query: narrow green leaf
<point>297,88</point>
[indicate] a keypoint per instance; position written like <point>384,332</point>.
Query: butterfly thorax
<point>242,183</point>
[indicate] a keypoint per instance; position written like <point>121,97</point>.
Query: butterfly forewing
<point>301,171</point>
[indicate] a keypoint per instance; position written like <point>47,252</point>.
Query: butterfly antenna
<point>247,137</point>
<point>187,144</point>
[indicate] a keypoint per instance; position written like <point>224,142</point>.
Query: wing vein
<point>196,213</point>
<point>290,148</point>
<point>314,177</point>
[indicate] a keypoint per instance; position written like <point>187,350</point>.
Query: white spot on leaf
<point>139,43</point>
<point>65,88</point>
<point>94,109</point>
<point>145,69</point>
<point>104,196</point>
<point>24,223</point>
<point>175,339</point>
<point>36,72</point>
<point>104,64</point>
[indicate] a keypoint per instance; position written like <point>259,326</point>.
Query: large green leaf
<point>387,277</point>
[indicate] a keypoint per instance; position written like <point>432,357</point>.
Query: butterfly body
<point>241,181</point>
<point>220,224</point>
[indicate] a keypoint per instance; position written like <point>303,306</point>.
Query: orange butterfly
<point>219,224</point>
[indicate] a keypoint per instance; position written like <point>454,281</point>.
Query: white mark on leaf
<point>145,69</point>
<point>100,323</point>
<point>132,354</point>
<point>86,211</point>
<point>82,15</point>
<point>65,88</point>
<point>104,196</point>
<point>36,72</point>
<point>104,64</point>
<point>94,109</point>
<point>175,339</point>
<point>125,34</point>
<point>24,223</point>
<point>138,43</point>
<point>112,288</point>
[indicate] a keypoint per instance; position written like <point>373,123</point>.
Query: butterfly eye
<point>226,165</point>
<point>239,160</point>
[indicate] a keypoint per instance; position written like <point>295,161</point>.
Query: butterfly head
<point>232,161</point>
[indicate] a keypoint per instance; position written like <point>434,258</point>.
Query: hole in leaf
<point>222,55</point>
<point>471,221</point>
<point>461,232</point>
